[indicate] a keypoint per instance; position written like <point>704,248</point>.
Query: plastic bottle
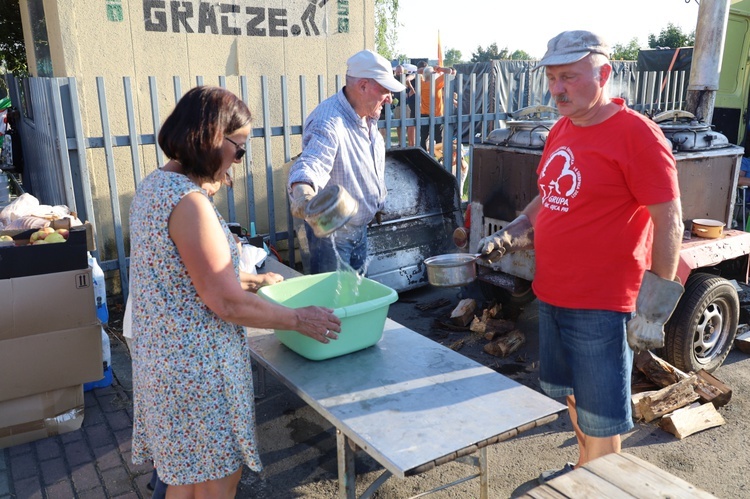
<point>100,290</point>
<point>106,366</point>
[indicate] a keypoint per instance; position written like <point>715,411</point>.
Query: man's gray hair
<point>597,61</point>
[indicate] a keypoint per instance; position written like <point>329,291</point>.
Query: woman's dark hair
<point>194,133</point>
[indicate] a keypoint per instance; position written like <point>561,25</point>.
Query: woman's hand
<point>318,323</point>
<point>269,278</point>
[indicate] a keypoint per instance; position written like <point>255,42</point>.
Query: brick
<point>124,440</point>
<point>107,457</point>
<point>28,488</point>
<point>85,478</point>
<point>98,435</point>
<point>60,490</point>
<point>78,453</point>
<point>136,469</point>
<point>89,400</point>
<point>113,402</point>
<point>116,481</point>
<point>18,450</point>
<point>96,493</point>
<point>48,448</point>
<point>53,470</point>
<point>119,420</point>
<point>23,466</point>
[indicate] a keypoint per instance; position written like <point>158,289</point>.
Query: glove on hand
<point>656,301</point>
<point>517,235</point>
<point>301,195</point>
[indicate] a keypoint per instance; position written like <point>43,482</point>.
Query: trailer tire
<point>702,328</point>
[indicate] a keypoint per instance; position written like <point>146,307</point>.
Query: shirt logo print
<point>559,180</point>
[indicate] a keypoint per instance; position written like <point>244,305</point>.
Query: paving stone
<point>113,402</point>
<point>85,478</point>
<point>28,488</point>
<point>107,457</point>
<point>129,495</point>
<point>71,436</point>
<point>124,442</point>
<point>119,420</point>
<point>92,416</point>
<point>60,490</point>
<point>99,435</point>
<point>48,448</point>
<point>141,483</point>
<point>78,453</point>
<point>136,469</point>
<point>117,481</point>
<point>96,493</point>
<point>23,466</point>
<point>3,460</point>
<point>17,450</point>
<point>53,470</point>
<point>4,484</point>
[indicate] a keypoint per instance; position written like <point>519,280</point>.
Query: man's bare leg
<point>589,448</point>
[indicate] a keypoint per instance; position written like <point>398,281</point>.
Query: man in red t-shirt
<point>606,227</point>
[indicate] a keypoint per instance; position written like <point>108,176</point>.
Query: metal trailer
<point>702,329</point>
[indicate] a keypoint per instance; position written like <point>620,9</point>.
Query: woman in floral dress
<point>193,393</point>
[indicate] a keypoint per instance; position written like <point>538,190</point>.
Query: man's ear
<point>605,71</point>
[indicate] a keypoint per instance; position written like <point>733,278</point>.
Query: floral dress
<point>192,381</point>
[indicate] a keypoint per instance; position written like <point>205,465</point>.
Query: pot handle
<point>700,230</point>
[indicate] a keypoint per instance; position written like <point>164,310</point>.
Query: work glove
<point>517,235</point>
<point>656,301</point>
<point>301,195</point>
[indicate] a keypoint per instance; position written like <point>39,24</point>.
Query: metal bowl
<point>457,269</point>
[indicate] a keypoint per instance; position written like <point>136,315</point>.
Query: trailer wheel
<point>702,328</point>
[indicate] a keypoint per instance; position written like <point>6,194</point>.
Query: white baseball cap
<point>368,64</point>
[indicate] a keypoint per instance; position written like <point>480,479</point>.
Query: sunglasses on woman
<point>240,152</point>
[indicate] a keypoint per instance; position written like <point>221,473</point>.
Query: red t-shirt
<point>593,233</point>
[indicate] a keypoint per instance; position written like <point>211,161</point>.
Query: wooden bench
<point>617,476</point>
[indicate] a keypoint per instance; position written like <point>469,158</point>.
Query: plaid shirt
<point>339,147</point>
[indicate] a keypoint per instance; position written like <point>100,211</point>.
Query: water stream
<point>349,279</point>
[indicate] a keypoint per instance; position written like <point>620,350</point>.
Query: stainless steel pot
<point>330,209</point>
<point>457,269</point>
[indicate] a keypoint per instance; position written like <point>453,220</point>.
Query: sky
<point>528,24</point>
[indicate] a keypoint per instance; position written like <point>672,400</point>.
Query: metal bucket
<point>330,209</point>
<point>457,269</point>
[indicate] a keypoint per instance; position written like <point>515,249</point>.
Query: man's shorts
<point>585,353</point>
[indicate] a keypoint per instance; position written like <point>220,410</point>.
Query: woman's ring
<point>327,333</point>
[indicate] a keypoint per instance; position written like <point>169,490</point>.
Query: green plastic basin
<point>362,311</point>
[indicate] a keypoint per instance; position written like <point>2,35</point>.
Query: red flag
<point>440,52</point>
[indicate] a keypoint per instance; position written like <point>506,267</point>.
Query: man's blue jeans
<point>351,244</point>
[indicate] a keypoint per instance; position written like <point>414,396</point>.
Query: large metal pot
<point>457,269</point>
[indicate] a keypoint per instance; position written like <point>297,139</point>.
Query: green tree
<point>520,55</point>
<point>452,57</point>
<point>671,36</point>
<point>12,52</point>
<point>386,20</point>
<point>627,52</point>
<point>491,53</point>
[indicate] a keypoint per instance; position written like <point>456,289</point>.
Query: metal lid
<point>528,128</point>
<point>687,134</point>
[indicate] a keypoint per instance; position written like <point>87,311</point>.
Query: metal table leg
<point>347,477</point>
<point>484,482</point>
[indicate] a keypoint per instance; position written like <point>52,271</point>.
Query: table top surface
<point>406,400</point>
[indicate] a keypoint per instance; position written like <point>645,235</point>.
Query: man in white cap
<point>341,145</point>
<point>606,228</point>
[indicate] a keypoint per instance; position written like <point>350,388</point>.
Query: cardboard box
<point>44,303</point>
<point>50,361</point>
<point>27,260</point>
<point>41,415</point>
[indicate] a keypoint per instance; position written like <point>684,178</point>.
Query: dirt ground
<point>298,447</point>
